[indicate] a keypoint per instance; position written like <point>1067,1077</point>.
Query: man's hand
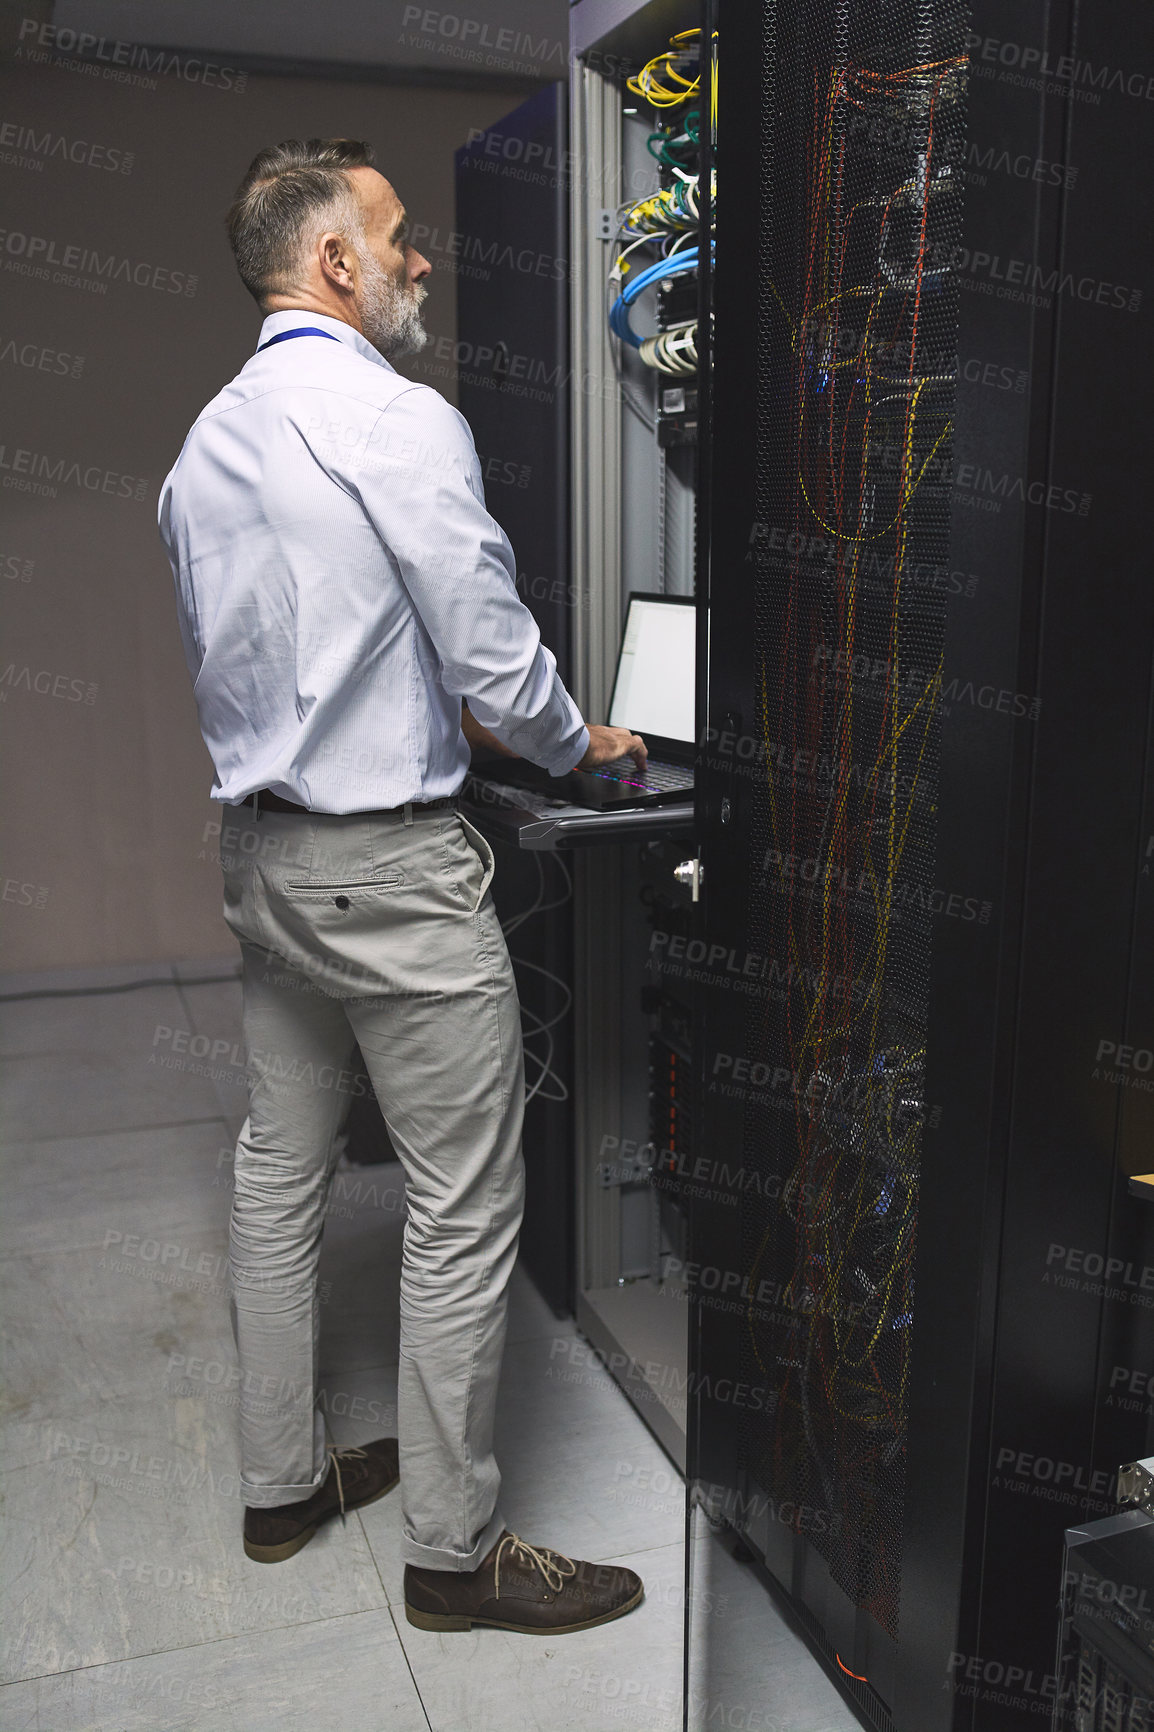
<point>605,744</point>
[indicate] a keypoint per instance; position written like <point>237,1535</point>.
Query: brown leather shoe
<point>532,1590</point>
<point>355,1477</point>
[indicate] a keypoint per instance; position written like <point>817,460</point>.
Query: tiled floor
<point>129,1605</point>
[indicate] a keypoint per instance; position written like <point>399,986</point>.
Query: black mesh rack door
<point>856,352</point>
<point>925,799</point>
<point>834,288</point>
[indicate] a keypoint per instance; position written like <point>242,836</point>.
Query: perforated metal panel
<point>862,135</point>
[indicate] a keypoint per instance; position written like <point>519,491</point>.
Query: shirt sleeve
<point>419,480</point>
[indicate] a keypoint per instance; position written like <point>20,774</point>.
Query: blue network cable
<point>619,311</point>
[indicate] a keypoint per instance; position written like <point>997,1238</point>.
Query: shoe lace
<point>349,1456</point>
<point>554,1566</point>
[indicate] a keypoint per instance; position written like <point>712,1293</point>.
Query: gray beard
<point>390,314</point>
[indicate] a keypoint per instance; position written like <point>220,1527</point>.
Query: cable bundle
<point>662,81</point>
<point>676,149</point>
<point>672,351</point>
<point>668,219</point>
<point>671,210</point>
<point>668,267</point>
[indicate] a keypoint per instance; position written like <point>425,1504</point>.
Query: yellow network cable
<point>661,82</point>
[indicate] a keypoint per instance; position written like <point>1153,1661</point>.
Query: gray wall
<point>109,850</point>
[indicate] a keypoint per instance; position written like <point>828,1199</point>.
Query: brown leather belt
<point>264,801</point>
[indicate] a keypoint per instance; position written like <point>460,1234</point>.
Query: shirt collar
<point>292,317</point>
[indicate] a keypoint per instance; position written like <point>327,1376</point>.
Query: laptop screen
<point>654,689</point>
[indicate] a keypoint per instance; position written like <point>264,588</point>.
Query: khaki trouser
<point>378,932</point>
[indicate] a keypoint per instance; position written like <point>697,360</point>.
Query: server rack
<point>924,817</point>
<point>512,243</point>
<point>916,1069</point>
<point>633,529</point>
<point>616,514</point>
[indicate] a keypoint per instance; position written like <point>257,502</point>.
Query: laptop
<point>654,696</point>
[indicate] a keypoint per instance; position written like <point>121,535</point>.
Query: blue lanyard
<point>301,331</point>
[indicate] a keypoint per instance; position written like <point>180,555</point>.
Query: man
<point>342,591</point>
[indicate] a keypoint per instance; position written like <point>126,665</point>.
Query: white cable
<point>546,1063</point>
<point>627,397</point>
<point>543,1028</point>
<point>540,907</point>
<point>527,913</point>
<point>547,1071</point>
<point>673,351</point>
<point>641,241</point>
<point>537,1024</point>
<point>557,981</point>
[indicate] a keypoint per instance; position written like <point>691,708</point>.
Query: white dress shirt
<point>341,586</point>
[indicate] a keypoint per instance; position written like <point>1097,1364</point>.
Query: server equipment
<point>1105,1676</point>
<point>863,1062</point>
<point>514,389</point>
<point>611,212</point>
<point>639,98</point>
<point>924,809</point>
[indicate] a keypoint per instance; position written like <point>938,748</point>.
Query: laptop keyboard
<point>656,778</point>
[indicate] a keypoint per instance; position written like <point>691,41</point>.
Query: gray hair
<point>293,192</point>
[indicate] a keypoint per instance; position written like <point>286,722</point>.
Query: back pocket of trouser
<point>485,855</point>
